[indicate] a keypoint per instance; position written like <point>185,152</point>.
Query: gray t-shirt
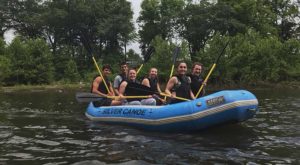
<point>117,81</point>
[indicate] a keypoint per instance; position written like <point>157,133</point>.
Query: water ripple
<point>55,131</point>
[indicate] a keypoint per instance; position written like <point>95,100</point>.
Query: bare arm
<point>192,95</point>
<point>116,85</point>
<point>96,83</point>
<point>116,91</point>
<point>146,82</point>
<point>122,88</point>
<point>112,93</point>
<point>170,85</point>
<point>158,88</point>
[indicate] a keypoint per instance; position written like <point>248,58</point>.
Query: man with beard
<point>120,77</point>
<point>196,79</point>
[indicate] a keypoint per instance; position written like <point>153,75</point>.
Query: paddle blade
<point>84,97</point>
<point>175,54</point>
<point>148,54</point>
<point>135,89</point>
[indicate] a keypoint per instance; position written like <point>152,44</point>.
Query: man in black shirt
<point>196,79</point>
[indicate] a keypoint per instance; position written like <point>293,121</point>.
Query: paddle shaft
<point>175,54</point>
<point>146,58</point>
<point>175,97</point>
<point>95,62</point>
<point>88,97</point>
<point>139,69</point>
<point>211,70</point>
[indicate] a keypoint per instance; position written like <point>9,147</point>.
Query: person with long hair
<point>151,81</point>
<point>180,84</point>
<point>125,91</point>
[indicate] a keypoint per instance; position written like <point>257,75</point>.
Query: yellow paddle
<point>89,97</point>
<point>95,62</point>
<point>210,71</point>
<point>175,54</point>
<point>149,52</point>
<point>179,98</point>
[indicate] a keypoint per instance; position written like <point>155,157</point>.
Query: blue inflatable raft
<point>214,109</point>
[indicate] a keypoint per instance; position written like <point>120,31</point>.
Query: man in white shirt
<point>120,77</point>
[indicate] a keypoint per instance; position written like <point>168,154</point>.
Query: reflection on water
<point>49,127</point>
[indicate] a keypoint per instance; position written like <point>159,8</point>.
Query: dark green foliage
<point>159,18</point>
<point>71,72</point>
<point>5,63</point>
<point>31,62</point>
<point>57,39</point>
<point>134,57</point>
<point>251,58</point>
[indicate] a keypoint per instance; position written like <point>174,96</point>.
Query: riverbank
<point>58,87</point>
<point>84,86</point>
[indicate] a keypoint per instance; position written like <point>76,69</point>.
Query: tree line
<point>57,39</point>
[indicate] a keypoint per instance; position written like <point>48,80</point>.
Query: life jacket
<point>182,87</point>
<point>101,86</point>
<point>196,82</point>
<point>153,84</point>
<point>131,92</point>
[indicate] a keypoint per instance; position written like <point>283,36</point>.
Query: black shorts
<point>102,102</point>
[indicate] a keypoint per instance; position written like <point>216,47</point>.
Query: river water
<point>49,127</point>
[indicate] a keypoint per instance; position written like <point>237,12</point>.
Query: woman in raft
<point>125,91</point>
<point>180,85</point>
<point>152,82</point>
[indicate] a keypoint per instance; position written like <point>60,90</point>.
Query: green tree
<point>197,26</point>
<point>71,72</point>
<point>31,62</point>
<point>162,58</point>
<point>18,55</point>
<point>5,69</point>
<point>134,58</point>
<point>287,17</point>
<point>159,18</point>
<point>39,52</point>
<point>290,54</point>
<point>149,20</point>
<point>4,17</point>
<point>252,58</point>
<point>99,27</point>
<point>26,17</point>
<point>5,63</point>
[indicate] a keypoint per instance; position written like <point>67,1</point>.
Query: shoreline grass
<point>86,85</point>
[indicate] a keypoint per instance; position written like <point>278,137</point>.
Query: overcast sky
<point>136,7</point>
